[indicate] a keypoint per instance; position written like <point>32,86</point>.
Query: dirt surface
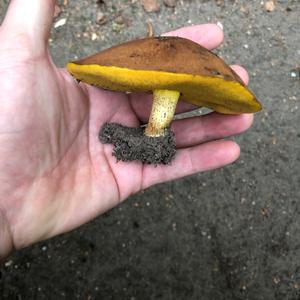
<point>232,233</point>
<point>131,144</point>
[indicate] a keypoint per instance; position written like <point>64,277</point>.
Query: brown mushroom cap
<point>169,63</point>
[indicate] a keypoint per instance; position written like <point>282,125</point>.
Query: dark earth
<point>131,144</point>
<point>232,233</point>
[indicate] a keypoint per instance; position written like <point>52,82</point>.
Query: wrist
<point>6,240</point>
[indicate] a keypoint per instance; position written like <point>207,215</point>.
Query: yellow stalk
<point>162,113</point>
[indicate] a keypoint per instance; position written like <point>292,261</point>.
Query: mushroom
<point>170,68</point>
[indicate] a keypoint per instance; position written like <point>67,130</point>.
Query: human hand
<point>55,174</point>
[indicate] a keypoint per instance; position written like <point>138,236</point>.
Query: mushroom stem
<point>163,109</point>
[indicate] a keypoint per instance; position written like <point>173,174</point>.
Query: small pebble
<point>94,36</point>
<point>101,19</point>
<point>60,23</point>
<point>269,6</point>
<point>8,263</point>
<point>295,73</point>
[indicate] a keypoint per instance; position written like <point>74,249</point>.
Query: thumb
<point>30,18</point>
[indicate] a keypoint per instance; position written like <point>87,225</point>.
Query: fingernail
<point>220,25</point>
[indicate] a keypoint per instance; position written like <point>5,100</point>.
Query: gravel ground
<point>232,233</point>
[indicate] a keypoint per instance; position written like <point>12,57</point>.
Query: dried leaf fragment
<point>149,30</point>
<point>151,5</point>
<point>57,11</point>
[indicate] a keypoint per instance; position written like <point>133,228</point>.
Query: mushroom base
<point>130,144</point>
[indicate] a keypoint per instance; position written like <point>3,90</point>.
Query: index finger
<point>209,36</point>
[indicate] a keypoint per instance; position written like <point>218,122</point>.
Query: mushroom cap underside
<point>170,63</point>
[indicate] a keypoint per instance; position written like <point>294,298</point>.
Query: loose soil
<point>130,144</point>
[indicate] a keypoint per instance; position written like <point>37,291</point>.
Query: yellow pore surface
<point>224,96</point>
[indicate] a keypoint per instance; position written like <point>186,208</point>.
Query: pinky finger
<point>241,72</point>
<point>192,160</point>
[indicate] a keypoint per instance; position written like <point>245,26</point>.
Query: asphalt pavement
<point>232,233</point>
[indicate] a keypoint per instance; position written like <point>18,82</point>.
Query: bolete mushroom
<point>169,67</point>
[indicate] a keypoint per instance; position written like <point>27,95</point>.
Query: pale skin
<point>54,173</point>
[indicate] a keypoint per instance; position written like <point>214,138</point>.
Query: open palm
<point>55,174</point>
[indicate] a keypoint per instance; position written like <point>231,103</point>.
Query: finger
<point>192,160</point>
<point>32,18</point>
<point>209,36</point>
<point>213,126</point>
<point>243,74</point>
<point>185,107</point>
